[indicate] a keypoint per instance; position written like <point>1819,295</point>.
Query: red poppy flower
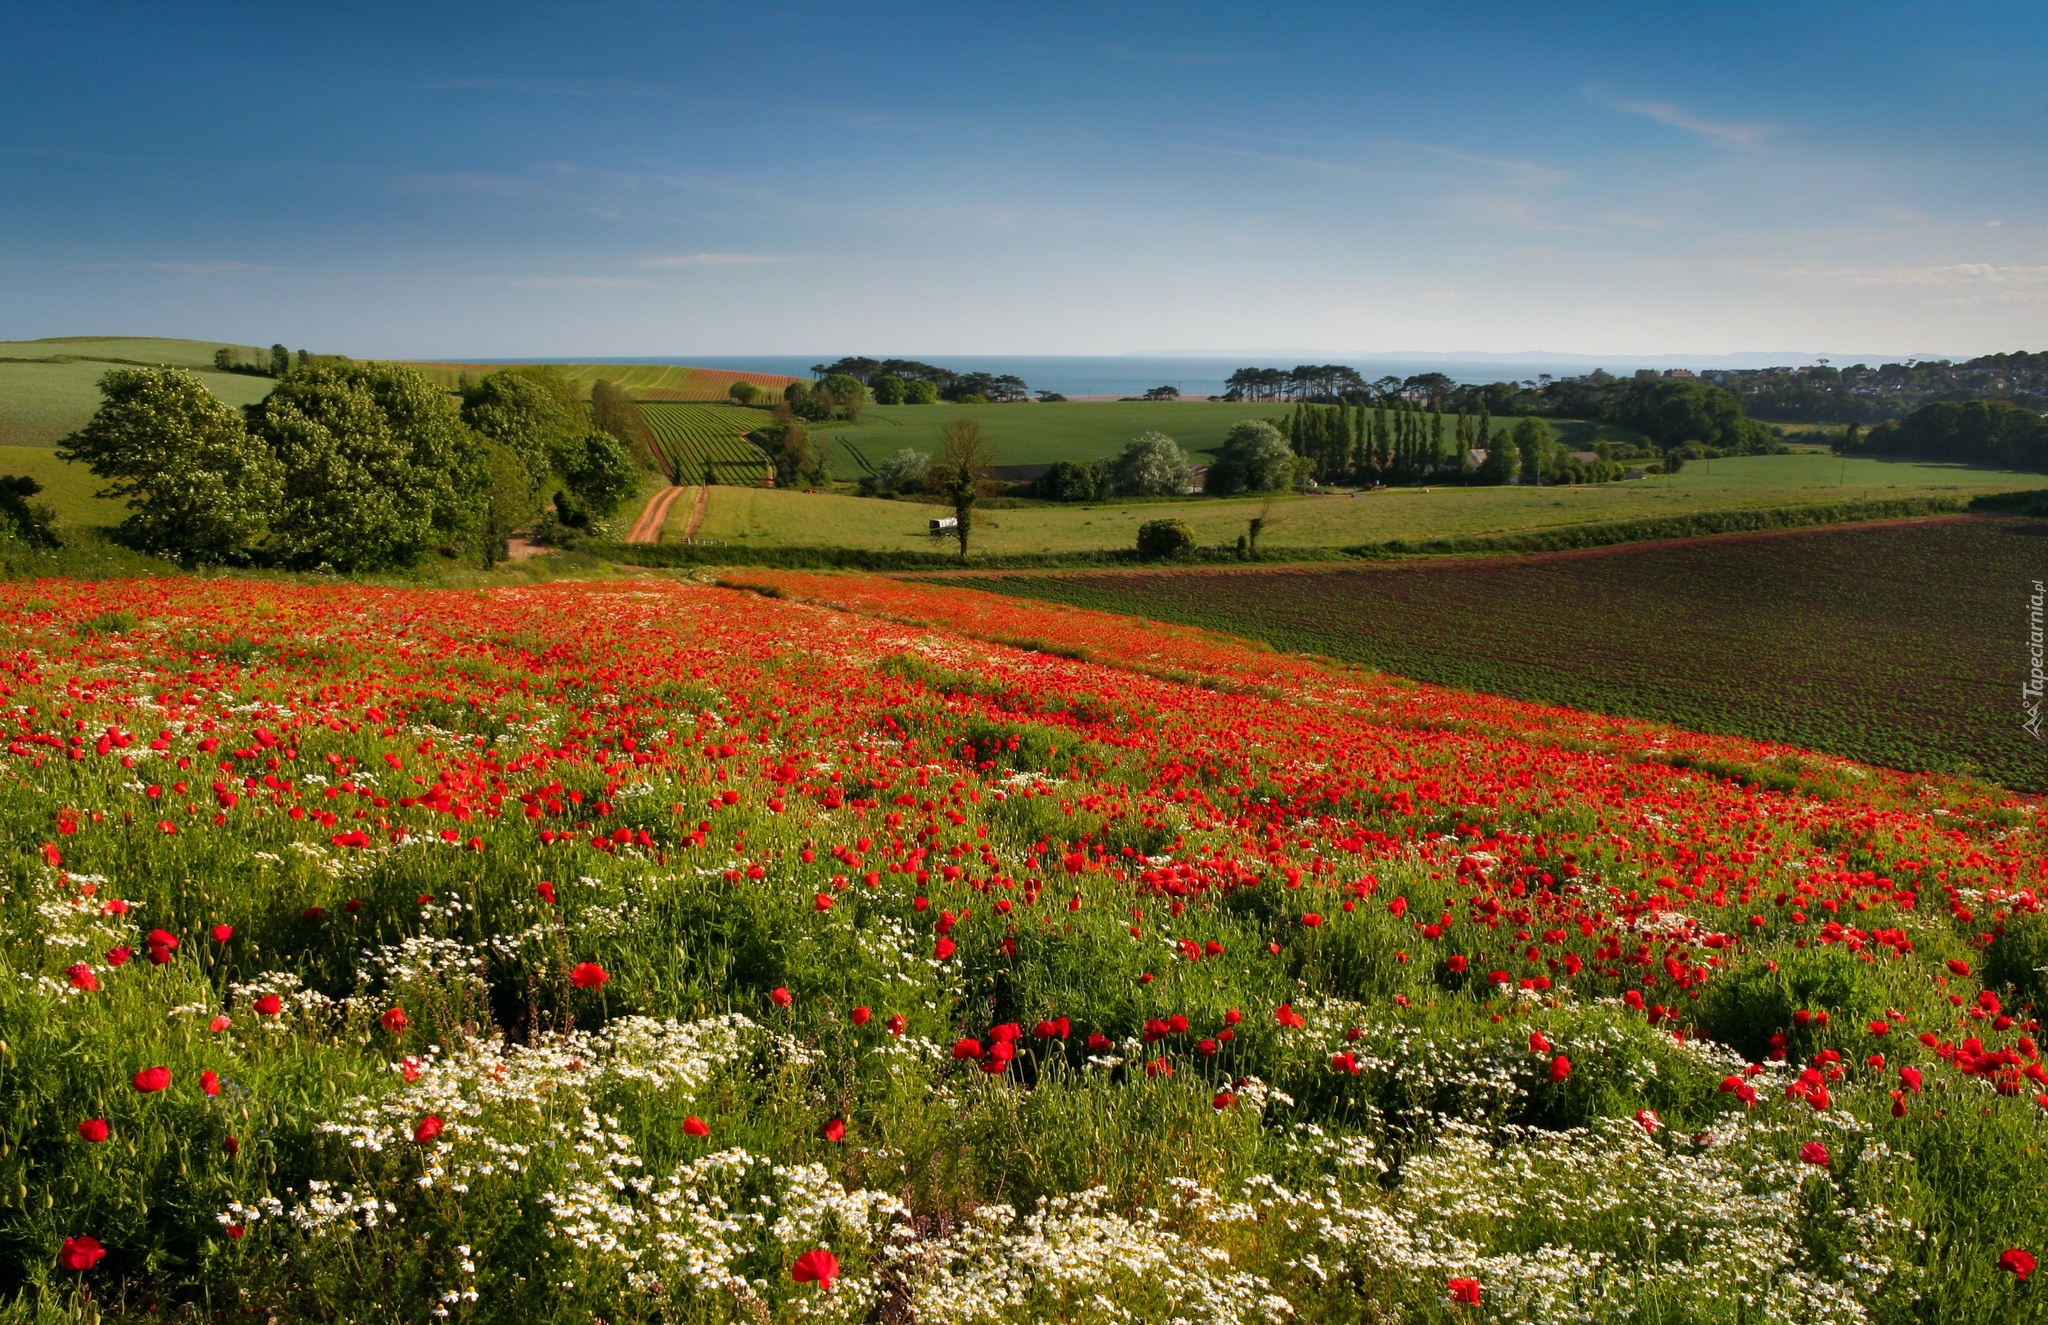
<point>151,1080</point>
<point>1910,1076</point>
<point>1312,920</point>
<point>780,997</point>
<point>80,1254</point>
<point>861,1016</point>
<point>232,1146</point>
<point>1455,962</point>
<point>1814,1153</point>
<point>898,1024</point>
<point>1097,1042</point>
<point>219,1024</point>
<point>816,1266</point>
<point>835,1130</point>
<point>2017,1263</point>
<point>696,1126</point>
<point>81,977</point>
<point>119,956</point>
<point>1464,1292</point>
<point>93,1130</point>
<point>395,1020</point>
<point>589,975</point>
<point>222,933</point>
<point>427,1129</point>
<point>269,1005</point>
<point>1560,1068</point>
<point>943,949</point>
<point>1224,1099</point>
<point>209,1081</point>
<point>546,891</point>
<point>1232,1017</point>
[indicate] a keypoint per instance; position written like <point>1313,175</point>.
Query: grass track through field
<point>1898,644</point>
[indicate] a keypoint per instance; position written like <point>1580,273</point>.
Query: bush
<point>1068,481</point>
<point>1152,465</point>
<point>1160,539</point>
<point>1254,458</point>
<point>920,392</point>
<point>887,389</point>
<point>906,471</point>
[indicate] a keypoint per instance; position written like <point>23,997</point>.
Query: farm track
<point>697,508</point>
<point>647,529</point>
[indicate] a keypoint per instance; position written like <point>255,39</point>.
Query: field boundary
<point>1563,539</point>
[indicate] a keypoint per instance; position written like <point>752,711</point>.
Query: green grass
<point>153,351</point>
<point>67,488</point>
<point>1034,434</point>
<point>1898,646</point>
<point>794,519</point>
<point>42,403</point>
<point>691,437</point>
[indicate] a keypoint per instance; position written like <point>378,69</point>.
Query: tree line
<point>909,382</point>
<point>1859,393</point>
<point>351,466</point>
<point>1981,432</point>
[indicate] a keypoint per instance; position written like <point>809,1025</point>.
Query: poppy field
<point>849,949</point>
<point>1896,644</point>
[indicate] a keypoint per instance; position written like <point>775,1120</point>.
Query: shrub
<point>1152,465</point>
<point>1068,481</point>
<point>1254,458</point>
<point>1160,539</point>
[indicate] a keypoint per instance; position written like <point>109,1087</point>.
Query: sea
<point>1198,376</point>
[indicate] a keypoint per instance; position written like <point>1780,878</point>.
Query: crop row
<point>700,440</point>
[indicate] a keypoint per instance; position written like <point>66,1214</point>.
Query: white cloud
<point>717,260</point>
<point>1727,133</point>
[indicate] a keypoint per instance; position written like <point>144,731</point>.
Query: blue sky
<point>669,179</point>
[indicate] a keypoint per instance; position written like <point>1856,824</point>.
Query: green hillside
<point>50,387</point>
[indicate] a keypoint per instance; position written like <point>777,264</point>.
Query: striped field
<point>694,439</point>
<point>643,381</point>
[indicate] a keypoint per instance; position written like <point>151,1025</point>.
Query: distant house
<point>1476,457</point>
<point>1678,372</point>
<point>1585,457</point>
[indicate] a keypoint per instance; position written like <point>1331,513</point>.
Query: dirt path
<point>697,506</point>
<point>647,529</point>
